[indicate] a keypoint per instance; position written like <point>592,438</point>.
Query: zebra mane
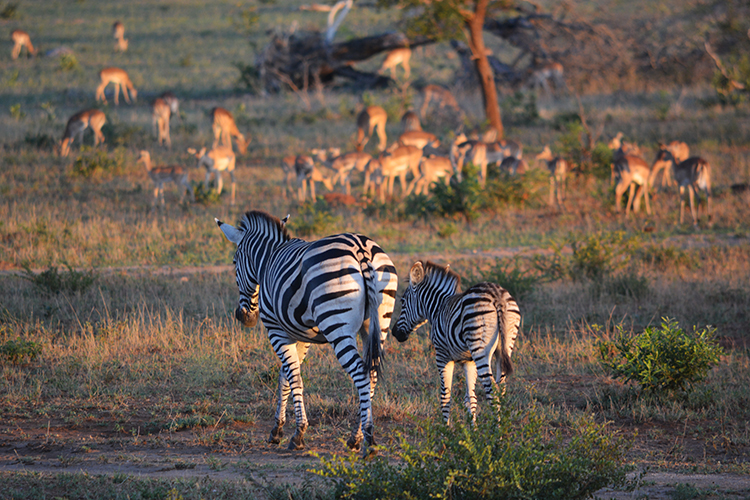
<point>441,273</point>
<point>258,218</point>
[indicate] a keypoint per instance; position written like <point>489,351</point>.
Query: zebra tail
<point>509,317</point>
<point>372,346</point>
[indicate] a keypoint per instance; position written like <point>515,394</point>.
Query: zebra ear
<point>232,233</point>
<point>416,273</point>
<point>285,220</point>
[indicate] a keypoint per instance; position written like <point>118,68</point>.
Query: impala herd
<point>415,153</point>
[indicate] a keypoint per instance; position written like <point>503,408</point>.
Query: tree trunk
<point>486,77</point>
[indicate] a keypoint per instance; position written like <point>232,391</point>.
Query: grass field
<point>141,366</point>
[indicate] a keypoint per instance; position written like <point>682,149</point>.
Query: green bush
<point>205,196</point>
<point>314,218</point>
<point>94,163</point>
<point>599,255</point>
<point>662,359</point>
<point>20,351</point>
<point>462,197</point>
<point>514,456</point>
<point>52,281</point>
<point>509,274</point>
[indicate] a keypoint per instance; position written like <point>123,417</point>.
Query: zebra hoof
<point>297,442</point>
<point>354,442</point>
<point>276,434</point>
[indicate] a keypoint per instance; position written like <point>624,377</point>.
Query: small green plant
<point>187,61</point>
<point>68,62</point>
<point>509,274</point>
<point>10,11</point>
<point>93,163</point>
<point>664,359</point>
<point>599,255</point>
<point>314,219</point>
<point>16,112</point>
<point>52,281</point>
<point>205,195</point>
<point>20,351</point>
<point>447,229</point>
<point>462,197</point>
<point>49,109</point>
<point>511,454</point>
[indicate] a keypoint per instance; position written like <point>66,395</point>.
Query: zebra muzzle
<point>245,317</point>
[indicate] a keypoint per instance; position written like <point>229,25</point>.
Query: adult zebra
<point>467,328</point>
<point>314,292</point>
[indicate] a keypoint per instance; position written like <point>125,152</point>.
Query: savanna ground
<point>144,386</point>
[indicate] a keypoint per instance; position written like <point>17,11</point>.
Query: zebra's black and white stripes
<point>318,292</point>
<point>466,328</point>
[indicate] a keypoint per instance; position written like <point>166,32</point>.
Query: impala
<point>632,171</point>
<point>395,57</point>
<point>371,118</point>
<point>160,113</point>
<point>417,138</point>
<point>497,151</point>
<point>693,174</point>
<point>514,165</point>
<point>558,169</point>
<point>120,78</point>
<point>471,151</point>
<point>396,163</point>
<point>163,174</point>
<point>287,165</point>
<point>552,72</point>
<point>680,151</point>
<point>308,174</point>
<point>215,162</point>
<point>92,118</point>
<point>172,102</point>
<point>410,122</point>
<point>442,97</point>
<point>431,169</point>
<point>118,32</point>
<point>621,149</point>
<point>342,165</point>
<point>224,129</point>
<point>20,40</point>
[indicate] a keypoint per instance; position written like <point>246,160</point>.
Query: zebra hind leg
<point>283,395</point>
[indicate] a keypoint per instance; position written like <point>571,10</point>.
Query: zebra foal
<point>466,328</point>
<point>319,292</point>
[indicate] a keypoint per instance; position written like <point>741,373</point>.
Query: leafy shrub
<point>509,274</point>
<point>205,196</point>
<point>462,197</point>
<point>601,159</point>
<point>68,62</point>
<point>600,254</point>
<point>94,163</point>
<point>52,281</point>
<point>514,456</point>
<point>662,359</point>
<point>20,351</point>
<point>419,206</point>
<point>314,219</point>
<point>520,108</point>
<point>16,112</point>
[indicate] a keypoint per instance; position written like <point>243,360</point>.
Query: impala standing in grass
<point>307,175</point>
<point>92,118</point>
<point>118,32</point>
<point>693,175</point>
<point>558,170</point>
<point>471,151</point>
<point>343,165</point>
<point>431,169</point>
<point>395,163</point>
<point>467,328</point>
<point>163,174</point>
<point>370,119</point>
<point>225,128</point>
<point>680,151</point>
<point>632,171</point>
<point>120,78</point>
<point>410,122</point>
<point>395,57</point>
<point>320,292</point>
<point>215,162</point>
<point>161,113</point>
<point>20,40</point>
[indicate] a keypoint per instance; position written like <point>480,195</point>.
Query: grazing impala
<point>417,138</point>
<point>552,72</point>
<point>120,78</point>
<point>92,118</point>
<point>680,151</point>
<point>632,171</point>
<point>225,128</point>
<point>342,165</point>
<point>160,113</point>
<point>118,32</point>
<point>558,169</point>
<point>395,57</point>
<point>308,174</point>
<point>215,162</point>
<point>371,118</point>
<point>498,151</point>
<point>396,163</point>
<point>163,174</point>
<point>471,151</point>
<point>442,97</point>
<point>431,169</point>
<point>410,122</point>
<point>20,40</point>
<point>693,174</point>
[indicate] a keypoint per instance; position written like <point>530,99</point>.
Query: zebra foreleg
<point>470,400</point>
<point>446,383</point>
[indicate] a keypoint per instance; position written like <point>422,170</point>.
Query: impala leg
<point>117,94</point>
<point>551,190</point>
<point>100,93</point>
<point>219,182</point>
<point>126,93</point>
<point>234,185</point>
<point>682,202</point>
<point>693,211</point>
<point>619,191</point>
<point>645,195</point>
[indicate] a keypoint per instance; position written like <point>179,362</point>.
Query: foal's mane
<point>258,217</point>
